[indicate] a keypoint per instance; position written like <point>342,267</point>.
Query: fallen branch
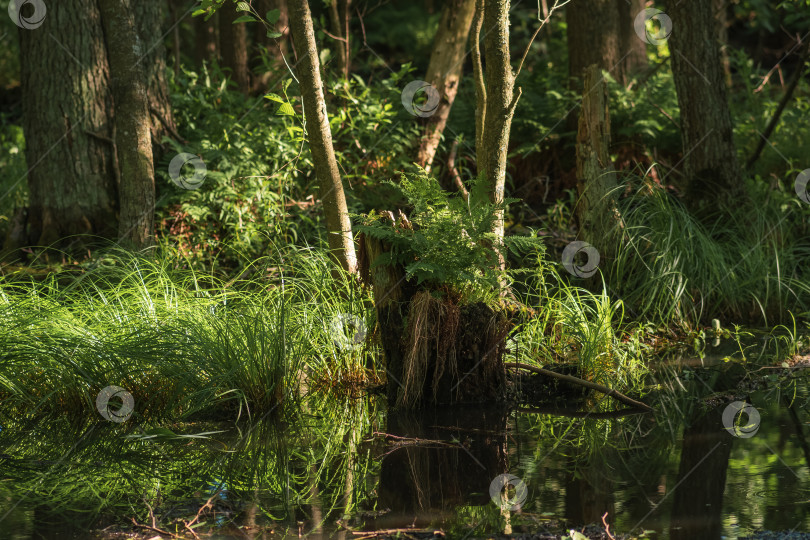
<point>581,382</point>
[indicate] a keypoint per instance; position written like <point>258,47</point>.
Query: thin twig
<point>451,165</point>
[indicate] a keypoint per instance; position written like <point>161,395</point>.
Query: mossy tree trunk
<point>133,140</point>
<point>67,111</point>
<point>319,134</point>
<point>445,69</point>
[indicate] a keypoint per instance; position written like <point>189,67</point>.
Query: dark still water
<point>335,467</point>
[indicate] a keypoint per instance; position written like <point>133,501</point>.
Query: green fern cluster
<point>447,241</point>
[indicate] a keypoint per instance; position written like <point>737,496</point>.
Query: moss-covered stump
<point>438,349</point>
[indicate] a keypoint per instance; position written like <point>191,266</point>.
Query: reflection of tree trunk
<point>442,475</point>
<point>444,70</point>
<point>698,499</point>
<point>588,495</point>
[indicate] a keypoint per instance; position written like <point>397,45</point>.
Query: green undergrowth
<point>181,343</point>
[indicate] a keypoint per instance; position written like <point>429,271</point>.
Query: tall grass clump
<point>671,267</point>
<point>181,343</point>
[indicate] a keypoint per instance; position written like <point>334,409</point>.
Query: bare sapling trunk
<point>444,71</point>
<point>133,140</point>
<point>596,210</point>
<point>338,225</point>
<point>499,81</point>
<point>339,15</point>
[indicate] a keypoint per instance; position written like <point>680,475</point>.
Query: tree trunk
<point>596,179</point>
<point>150,21</point>
<point>720,9</point>
<point>278,47</point>
<point>500,106</point>
<point>338,225</point>
<point>205,37</point>
<point>593,38</point>
<point>444,70</point>
<point>132,137</point>
<point>233,46</point>
<point>339,12</point>
<point>67,127</point>
<point>633,48</point>
<point>710,160</point>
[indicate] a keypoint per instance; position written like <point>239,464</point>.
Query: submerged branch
<point>582,382</point>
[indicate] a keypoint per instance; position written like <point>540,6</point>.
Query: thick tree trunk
<point>132,137</point>
<point>233,46</point>
<point>444,70</point>
<point>67,126</point>
<point>339,15</point>
<point>720,9</point>
<point>338,225</point>
<point>710,160</point>
<point>205,38</point>
<point>150,21</point>
<point>593,38</point>
<point>596,178</point>
<point>632,48</point>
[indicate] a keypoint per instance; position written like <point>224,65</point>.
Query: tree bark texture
<point>445,69</point>
<point>500,104</point>
<point>67,124</point>
<point>596,178</point>
<point>132,136</point>
<point>319,134</point>
<point>710,160</point>
<point>593,38</point>
<point>150,19</point>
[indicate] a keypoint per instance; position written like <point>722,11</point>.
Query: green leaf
<point>272,34</point>
<point>272,16</point>
<point>285,109</point>
<point>274,97</point>
<point>242,6</point>
<point>244,18</point>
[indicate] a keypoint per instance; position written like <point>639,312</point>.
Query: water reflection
<point>337,466</point>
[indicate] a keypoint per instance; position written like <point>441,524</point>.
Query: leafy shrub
<point>446,240</point>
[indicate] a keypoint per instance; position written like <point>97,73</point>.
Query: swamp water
<point>338,466</point>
